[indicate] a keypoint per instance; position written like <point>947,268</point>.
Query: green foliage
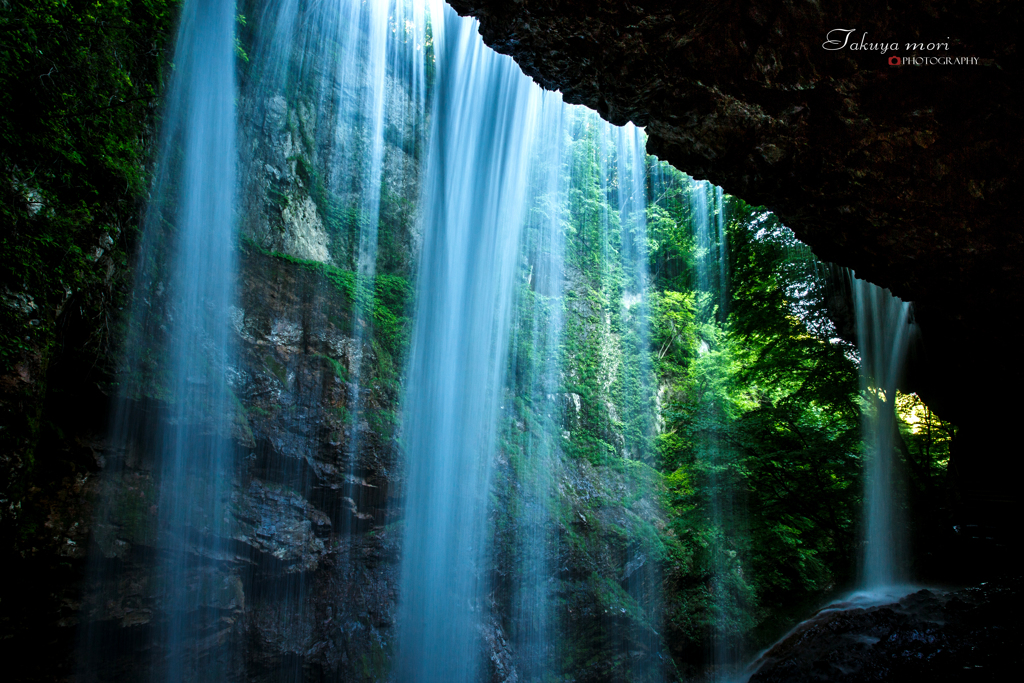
<point>761,436</point>
<point>605,339</point>
<point>279,371</point>
<point>375,664</point>
<point>340,371</point>
<point>78,85</point>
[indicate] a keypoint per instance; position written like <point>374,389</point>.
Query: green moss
<point>278,198</point>
<point>343,414</point>
<point>279,371</point>
<point>375,664</point>
<point>260,411</point>
<point>383,422</point>
<point>340,371</point>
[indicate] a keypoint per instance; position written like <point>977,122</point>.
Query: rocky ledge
<point>971,634</point>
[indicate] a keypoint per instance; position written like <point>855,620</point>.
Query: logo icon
<point>895,61</point>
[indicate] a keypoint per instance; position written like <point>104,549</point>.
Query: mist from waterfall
<point>499,148</point>
<point>485,119</point>
<point>196,452</point>
<point>642,576</point>
<point>539,317</point>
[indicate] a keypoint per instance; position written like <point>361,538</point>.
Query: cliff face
<point>908,174</point>
<point>309,575</point>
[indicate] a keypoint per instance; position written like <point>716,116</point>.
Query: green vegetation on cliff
<point>713,450</point>
<point>78,88</point>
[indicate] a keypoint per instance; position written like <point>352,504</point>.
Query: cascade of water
<point>187,243</point>
<point>604,187</point>
<point>711,453</point>
<point>605,170</point>
<point>484,123</point>
<point>335,85</point>
<point>701,224</point>
<point>372,159</point>
<point>540,316</point>
<point>712,297</point>
<point>489,126</point>
<point>201,119</point>
<point>334,100</point>
<point>883,334</point>
<point>712,257</point>
<point>723,255</point>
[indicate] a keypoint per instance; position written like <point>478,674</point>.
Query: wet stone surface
<point>972,634</point>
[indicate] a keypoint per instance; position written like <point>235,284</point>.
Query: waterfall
<point>196,456</point>
<point>642,574</point>
<point>711,253</point>
<point>485,121</point>
<point>176,410</point>
<point>708,226</point>
<point>580,164</point>
<point>723,254</point>
<point>631,174</point>
<point>332,108</point>
<point>491,126</point>
<point>701,222</point>
<point>883,335</point>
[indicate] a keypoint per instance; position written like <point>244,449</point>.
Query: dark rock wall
<point>309,582</point>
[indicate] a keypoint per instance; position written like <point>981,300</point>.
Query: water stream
<point>883,336</point>
<point>884,333</point>
<point>485,121</point>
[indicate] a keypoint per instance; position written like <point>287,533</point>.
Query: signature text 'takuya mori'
<point>843,39</point>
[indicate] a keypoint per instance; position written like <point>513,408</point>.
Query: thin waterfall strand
<point>883,334</point>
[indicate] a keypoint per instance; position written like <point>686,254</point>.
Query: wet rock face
<point>603,582</point>
<point>910,174</point>
<point>294,201</point>
<point>306,576</point>
<point>965,635</point>
<point>280,211</point>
